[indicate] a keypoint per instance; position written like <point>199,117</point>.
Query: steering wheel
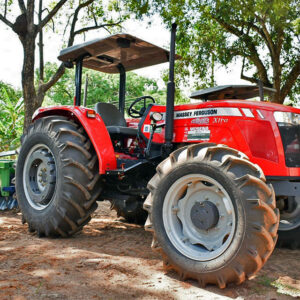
<point>139,113</point>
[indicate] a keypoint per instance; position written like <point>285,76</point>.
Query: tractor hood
<point>106,54</point>
<point>230,92</point>
<point>239,103</point>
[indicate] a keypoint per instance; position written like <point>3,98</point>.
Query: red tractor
<point>205,172</point>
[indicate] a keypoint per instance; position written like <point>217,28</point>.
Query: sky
<point>11,54</point>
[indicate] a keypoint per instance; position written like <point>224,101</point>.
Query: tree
<point>265,34</point>
<point>75,16</point>
<point>11,117</point>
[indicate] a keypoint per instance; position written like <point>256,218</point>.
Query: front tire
<point>212,215</point>
<point>57,177</point>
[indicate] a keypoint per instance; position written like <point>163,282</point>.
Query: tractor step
<point>126,169</point>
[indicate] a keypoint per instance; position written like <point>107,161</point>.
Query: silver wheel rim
<point>290,220</point>
<point>189,240</point>
<point>39,176</point>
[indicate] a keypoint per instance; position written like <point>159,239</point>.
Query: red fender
<point>95,129</point>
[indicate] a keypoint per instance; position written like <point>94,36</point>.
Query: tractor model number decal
<point>198,133</point>
<point>200,121</point>
<point>220,121</point>
<point>207,112</point>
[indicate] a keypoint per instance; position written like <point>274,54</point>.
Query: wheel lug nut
<point>175,209</point>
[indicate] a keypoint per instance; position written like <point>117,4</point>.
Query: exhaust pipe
<point>170,94</point>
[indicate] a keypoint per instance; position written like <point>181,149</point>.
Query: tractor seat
<point>114,120</point>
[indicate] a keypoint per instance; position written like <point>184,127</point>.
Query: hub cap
<point>39,176</point>
<point>204,215</point>
<point>199,217</point>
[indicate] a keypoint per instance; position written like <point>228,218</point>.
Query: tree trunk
<point>27,31</point>
<point>276,78</point>
<point>29,93</point>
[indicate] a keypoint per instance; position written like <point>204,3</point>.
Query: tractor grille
<point>290,135</point>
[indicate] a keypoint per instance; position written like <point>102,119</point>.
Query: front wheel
<point>212,215</point>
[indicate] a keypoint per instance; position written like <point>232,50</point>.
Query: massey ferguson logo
<point>195,113</point>
<point>205,112</point>
<point>208,112</point>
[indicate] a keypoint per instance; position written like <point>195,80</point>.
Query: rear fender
<point>95,129</point>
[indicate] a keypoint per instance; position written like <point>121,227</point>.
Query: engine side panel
<point>247,126</point>
<point>95,129</point>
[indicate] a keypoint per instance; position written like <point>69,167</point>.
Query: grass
<point>37,291</point>
<point>281,287</point>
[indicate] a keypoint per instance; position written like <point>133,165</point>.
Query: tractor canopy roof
<point>230,92</point>
<point>108,53</point>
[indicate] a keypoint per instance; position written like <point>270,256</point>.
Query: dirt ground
<point>111,259</point>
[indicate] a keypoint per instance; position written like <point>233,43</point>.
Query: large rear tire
<point>57,177</point>
<point>212,215</point>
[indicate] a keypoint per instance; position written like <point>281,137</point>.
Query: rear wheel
<point>289,226</point>
<point>57,177</point>
<point>212,215</point>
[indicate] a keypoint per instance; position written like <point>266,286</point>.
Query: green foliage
<point>11,92</point>
<point>101,87</point>
<point>70,21</point>
<point>210,33</point>
<point>180,98</point>
<point>11,117</point>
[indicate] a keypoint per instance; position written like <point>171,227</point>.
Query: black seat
<point>114,120</point>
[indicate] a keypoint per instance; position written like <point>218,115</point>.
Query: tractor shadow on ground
<point>275,279</point>
<point>278,279</point>
<point>116,238</point>
<point>113,260</point>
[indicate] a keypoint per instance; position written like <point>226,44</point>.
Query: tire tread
<point>77,204</point>
<point>251,258</point>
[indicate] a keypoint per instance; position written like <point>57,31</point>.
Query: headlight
<point>287,117</point>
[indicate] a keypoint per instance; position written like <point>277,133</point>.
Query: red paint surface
<point>95,129</point>
<point>258,138</point>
